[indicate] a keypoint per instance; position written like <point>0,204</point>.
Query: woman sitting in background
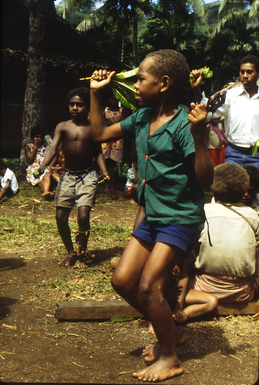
<point>35,153</point>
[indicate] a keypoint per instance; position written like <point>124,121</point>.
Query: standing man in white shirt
<point>8,182</point>
<point>241,112</point>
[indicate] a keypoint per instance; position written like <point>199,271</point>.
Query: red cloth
<point>217,156</point>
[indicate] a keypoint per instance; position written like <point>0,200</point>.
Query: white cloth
<point>47,140</point>
<point>241,116</point>
<point>235,244</point>
<point>9,175</point>
<point>255,204</point>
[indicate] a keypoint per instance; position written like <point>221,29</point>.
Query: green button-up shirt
<point>168,189</point>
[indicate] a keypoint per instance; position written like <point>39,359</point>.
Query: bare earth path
<point>36,349</point>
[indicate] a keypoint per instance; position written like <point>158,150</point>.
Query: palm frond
<point>254,9</point>
<point>123,88</point>
<point>93,19</point>
<point>230,21</point>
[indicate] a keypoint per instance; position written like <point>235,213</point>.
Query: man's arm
<point>100,131</point>
<point>201,159</point>
<point>52,151</point>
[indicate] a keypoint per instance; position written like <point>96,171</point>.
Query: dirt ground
<point>36,349</point>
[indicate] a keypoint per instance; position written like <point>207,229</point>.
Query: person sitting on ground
<point>78,182</point>
<point>8,182</point>
<point>227,268</point>
<point>35,153</point>
<point>251,197</point>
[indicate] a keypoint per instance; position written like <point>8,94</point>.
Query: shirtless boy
<point>174,165</point>
<point>79,180</point>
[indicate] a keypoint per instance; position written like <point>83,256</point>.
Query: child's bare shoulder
<point>65,125</point>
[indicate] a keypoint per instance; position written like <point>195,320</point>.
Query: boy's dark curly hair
<point>230,183</point>
<point>36,130</point>
<point>251,59</point>
<point>82,92</point>
<point>173,64</point>
<point>253,173</point>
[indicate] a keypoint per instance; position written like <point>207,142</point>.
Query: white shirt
<point>241,116</point>
<point>9,175</point>
<point>235,243</point>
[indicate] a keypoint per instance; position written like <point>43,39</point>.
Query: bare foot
<point>165,367</point>
<point>80,264</point>
<point>133,202</point>
<point>68,261</point>
<point>114,262</point>
<point>49,195</point>
<point>151,352</point>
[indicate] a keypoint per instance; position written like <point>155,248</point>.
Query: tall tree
<point>40,11</point>
<point>125,14</point>
<point>70,6</point>
<point>235,35</point>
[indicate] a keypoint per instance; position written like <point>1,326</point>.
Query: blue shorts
<point>183,236</point>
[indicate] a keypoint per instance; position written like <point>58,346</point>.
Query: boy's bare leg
<point>153,271</point>
<point>199,303</point>
<point>62,215</point>
<point>83,218</point>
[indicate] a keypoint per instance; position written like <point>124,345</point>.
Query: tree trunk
<point>122,46</point>
<point>41,12</point>
<point>135,40</point>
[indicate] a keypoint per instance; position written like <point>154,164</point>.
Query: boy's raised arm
<point>202,162</point>
<point>100,131</point>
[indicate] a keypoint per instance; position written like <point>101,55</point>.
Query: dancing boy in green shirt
<point>173,166</point>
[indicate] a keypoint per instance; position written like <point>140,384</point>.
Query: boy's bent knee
<point>149,292</point>
<point>213,303</point>
<point>120,283</point>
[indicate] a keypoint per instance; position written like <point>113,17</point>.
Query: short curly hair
<point>253,173</point>
<point>37,130</point>
<point>173,64</point>
<point>251,59</point>
<point>82,92</point>
<point>230,183</point>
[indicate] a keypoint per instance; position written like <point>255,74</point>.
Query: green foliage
<point>207,73</point>
<point>255,147</point>
<point>123,88</point>
<point>11,163</point>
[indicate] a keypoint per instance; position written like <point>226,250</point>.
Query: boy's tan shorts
<point>79,188</point>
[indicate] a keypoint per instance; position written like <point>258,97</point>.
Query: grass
<point>17,232</point>
<point>35,237</point>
